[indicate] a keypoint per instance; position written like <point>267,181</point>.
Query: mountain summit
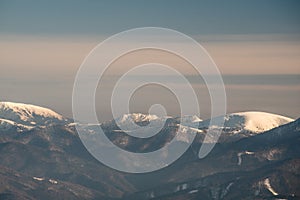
<point>255,122</point>
<point>27,114</point>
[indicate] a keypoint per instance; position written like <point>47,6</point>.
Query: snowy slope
<point>8,125</point>
<point>26,114</point>
<point>255,122</point>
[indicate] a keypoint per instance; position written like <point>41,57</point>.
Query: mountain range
<point>42,157</point>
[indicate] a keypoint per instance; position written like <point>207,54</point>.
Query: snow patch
<point>53,181</point>
<point>226,190</point>
<point>152,195</point>
<point>243,153</point>
<point>193,191</point>
<point>38,178</point>
<point>184,186</point>
<point>269,187</point>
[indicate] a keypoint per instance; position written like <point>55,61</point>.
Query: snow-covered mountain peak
<point>255,122</point>
<point>137,122</point>
<point>137,118</point>
<point>261,121</point>
<point>140,117</point>
<point>28,114</point>
<point>190,119</point>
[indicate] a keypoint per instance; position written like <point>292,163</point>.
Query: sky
<point>191,16</point>
<point>43,43</point>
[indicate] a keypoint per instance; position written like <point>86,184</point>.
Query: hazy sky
<point>42,44</point>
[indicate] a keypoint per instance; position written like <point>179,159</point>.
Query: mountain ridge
<point>27,116</point>
<point>50,161</point>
